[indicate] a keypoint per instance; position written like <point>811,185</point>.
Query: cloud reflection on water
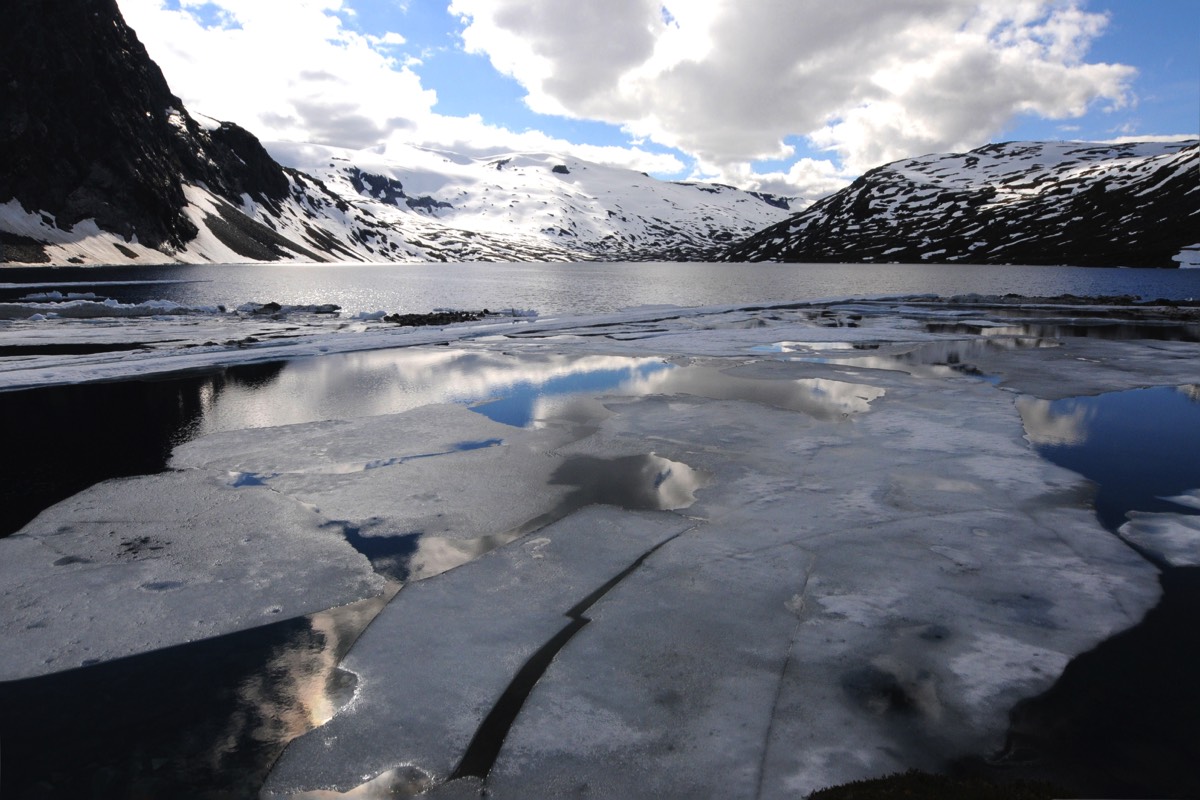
<point>641,482</point>
<point>393,381</point>
<point>1138,446</point>
<point>301,686</point>
<point>509,389</point>
<point>1047,424</point>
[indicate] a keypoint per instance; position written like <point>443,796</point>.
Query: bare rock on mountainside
<point>89,128</point>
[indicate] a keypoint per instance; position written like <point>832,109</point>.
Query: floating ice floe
<point>1173,538</point>
<point>847,597</point>
<point>143,563</point>
<point>86,308</point>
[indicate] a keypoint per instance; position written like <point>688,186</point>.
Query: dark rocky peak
<point>378,187</point>
<point>243,165</point>
<point>779,201</point>
<point>90,129</point>
<point>84,128</point>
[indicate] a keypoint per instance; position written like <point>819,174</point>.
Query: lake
<point>577,288</point>
<point>195,718</point>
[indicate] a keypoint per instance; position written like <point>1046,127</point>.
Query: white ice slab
<point>856,603</point>
<point>877,567</point>
<point>670,690</point>
<point>1174,538</point>
<point>859,594</point>
<point>402,474</point>
<point>137,564</point>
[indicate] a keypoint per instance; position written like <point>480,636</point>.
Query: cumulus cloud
<point>470,135</point>
<point>727,81</point>
<point>809,178</point>
<point>285,69</point>
<point>294,70</point>
<point>726,84</point>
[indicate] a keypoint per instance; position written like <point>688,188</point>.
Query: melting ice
<point>729,571</point>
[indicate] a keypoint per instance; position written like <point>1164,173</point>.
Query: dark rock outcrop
<point>378,187</point>
<point>90,129</point>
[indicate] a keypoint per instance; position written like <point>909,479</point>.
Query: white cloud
<point>728,80</point>
<point>290,70</point>
<point>807,178</point>
<point>724,82</point>
<point>284,69</point>
<point>472,136</point>
<point>1151,137</point>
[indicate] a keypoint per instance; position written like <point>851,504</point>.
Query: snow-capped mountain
<point>103,164</point>
<point>541,203</point>
<point>1134,204</point>
<point>433,206</point>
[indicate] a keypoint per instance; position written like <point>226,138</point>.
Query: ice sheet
<point>856,595</point>
<point>1174,538</point>
<point>850,608</point>
<point>876,566</point>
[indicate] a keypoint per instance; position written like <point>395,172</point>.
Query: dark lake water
<point>577,288</point>
<point>1140,447</point>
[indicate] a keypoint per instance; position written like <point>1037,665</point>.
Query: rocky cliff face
<point>1135,205</point>
<point>90,130</point>
<point>101,163</point>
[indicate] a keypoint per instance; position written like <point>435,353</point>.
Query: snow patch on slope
<point>588,209</point>
<point>1078,203</point>
<point>83,241</point>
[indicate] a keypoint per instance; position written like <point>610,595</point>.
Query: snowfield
<point>704,552</point>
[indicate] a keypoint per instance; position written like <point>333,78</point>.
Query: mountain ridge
<point>1134,204</point>
<point>101,164</point>
<point>590,210</point>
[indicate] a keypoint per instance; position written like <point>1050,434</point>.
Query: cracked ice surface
<point>467,631</point>
<point>861,598</point>
<point>856,596</point>
<point>876,566</point>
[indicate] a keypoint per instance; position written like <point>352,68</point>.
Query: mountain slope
<point>90,129</point>
<point>1135,204</point>
<point>556,202</point>
<point>101,163</point>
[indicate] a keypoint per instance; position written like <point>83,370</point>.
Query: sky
<point>795,97</point>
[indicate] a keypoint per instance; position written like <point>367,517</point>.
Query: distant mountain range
<point>101,164</point>
<point>432,205</point>
<point>1133,205</point>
